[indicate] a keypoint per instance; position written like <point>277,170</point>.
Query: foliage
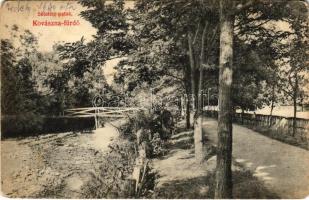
<point>8,76</point>
<point>111,20</point>
<point>20,125</point>
<point>293,77</point>
<point>110,180</point>
<point>148,183</point>
<point>158,146</point>
<point>17,83</point>
<point>21,97</point>
<point>161,33</point>
<point>149,126</point>
<point>80,79</point>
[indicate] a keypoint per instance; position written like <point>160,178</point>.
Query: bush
<point>113,176</point>
<point>158,146</point>
<point>111,179</point>
<point>148,183</point>
<point>151,122</point>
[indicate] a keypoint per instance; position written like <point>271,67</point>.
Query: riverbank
<point>53,165</point>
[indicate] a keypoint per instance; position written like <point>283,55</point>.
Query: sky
<point>22,13</point>
<point>11,13</point>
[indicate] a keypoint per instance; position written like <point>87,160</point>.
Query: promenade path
<point>283,168</point>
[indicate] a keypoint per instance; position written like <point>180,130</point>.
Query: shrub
<point>147,184</point>
<point>110,180</point>
<point>151,122</point>
<point>158,146</point>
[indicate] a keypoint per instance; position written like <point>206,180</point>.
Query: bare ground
<point>54,165</point>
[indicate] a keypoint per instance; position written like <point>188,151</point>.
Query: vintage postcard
<point>155,99</point>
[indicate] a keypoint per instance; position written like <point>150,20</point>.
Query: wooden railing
<point>102,112</point>
<point>283,125</point>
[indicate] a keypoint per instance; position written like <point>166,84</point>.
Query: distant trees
<point>18,85</point>
<point>81,77</point>
<point>20,97</point>
<point>8,77</point>
<point>293,76</point>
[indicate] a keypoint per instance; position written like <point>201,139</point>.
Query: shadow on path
<point>179,176</point>
<point>282,167</point>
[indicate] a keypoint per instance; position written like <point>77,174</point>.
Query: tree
<point>298,56</point>
<point>177,45</point>
<point>8,78</point>
<point>81,77</point>
<point>229,11</point>
<point>18,83</point>
<point>224,155</point>
<point>167,57</point>
<point>21,99</point>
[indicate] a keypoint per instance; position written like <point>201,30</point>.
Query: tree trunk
<point>198,139</point>
<point>242,115</point>
<point>187,84</point>
<point>192,67</point>
<point>271,113</point>
<point>188,124</point>
<point>223,187</point>
<point>198,124</point>
<point>295,95</point>
<point>273,96</point>
<point>294,116</point>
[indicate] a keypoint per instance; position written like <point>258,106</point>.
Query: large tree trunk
<point>223,187</point>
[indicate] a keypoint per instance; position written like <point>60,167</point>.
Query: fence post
<point>95,118</point>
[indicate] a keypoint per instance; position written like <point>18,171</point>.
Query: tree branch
<point>202,55</point>
<point>196,32</point>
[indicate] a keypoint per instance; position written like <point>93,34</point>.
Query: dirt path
<point>284,168</point>
<point>55,165</point>
<point>180,176</point>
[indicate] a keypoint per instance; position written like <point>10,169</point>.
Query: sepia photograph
<point>154,99</point>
